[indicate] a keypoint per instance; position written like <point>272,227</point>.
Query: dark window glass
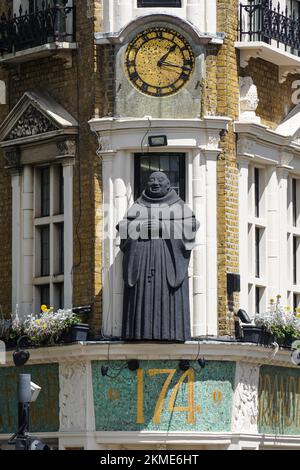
<point>61,248</point>
<point>59,288</point>
<point>61,190</point>
<point>173,164</point>
<point>45,295</point>
<point>296,300</point>
<point>295,247</point>
<point>294,199</point>
<point>256,185</point>
<point>257,299</point>
<point>45,251</point>
<point>158,3</point>
<point>45,192</point>
<point>257,252</point>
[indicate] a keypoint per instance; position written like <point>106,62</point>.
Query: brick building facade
<point>87,119</point>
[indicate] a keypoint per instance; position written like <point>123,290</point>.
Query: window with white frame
<point>257,226</point>
<point>293,241</point>
<point>49,236</point>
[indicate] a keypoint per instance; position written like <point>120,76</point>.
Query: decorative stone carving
<point>103,143</point>
<point>73,396</point>
<point>12,155</point>
<point>245,400</point>
<point>244,146</point>
<point>32,122</point>
<point>248,100</point>
<point>67,148</point>
<point>213,142</point>
<point>286,158</point>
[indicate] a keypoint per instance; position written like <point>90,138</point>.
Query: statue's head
<point>158,185</point>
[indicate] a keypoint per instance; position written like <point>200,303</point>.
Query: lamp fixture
<point>184,365</point>
<point>20,357</point>
<point>157,140</point>
<point>202,363</point>
<point>133,364</point>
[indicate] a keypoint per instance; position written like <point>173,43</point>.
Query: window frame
<point>55,278</point>
<point>182,171</point>
<point>293,240</point>
<point>257,232</point>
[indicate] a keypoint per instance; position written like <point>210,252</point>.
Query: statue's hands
<point>153,225</point>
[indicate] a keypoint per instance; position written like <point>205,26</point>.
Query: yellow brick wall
<point>221,98</point>
<point>275,99</point>
<point>74,88</point>
<point>5,205</point>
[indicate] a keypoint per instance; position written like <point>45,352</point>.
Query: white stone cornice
<point>114,134</point>
<point>267,146</point>
<point>126,32</point>
<point>211,350</point>
<point>287,62</point>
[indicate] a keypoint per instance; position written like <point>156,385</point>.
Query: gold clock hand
<point>171,49</point>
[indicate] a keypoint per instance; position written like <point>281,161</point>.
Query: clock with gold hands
<point>159,62</point>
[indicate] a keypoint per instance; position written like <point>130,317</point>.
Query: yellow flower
<point>298,315</point>
<point>44,308</point>
<point>37,322</point>
<point>298,310</point>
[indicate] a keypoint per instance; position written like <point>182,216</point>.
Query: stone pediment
<point>36,116</point>
<point>290,126</point>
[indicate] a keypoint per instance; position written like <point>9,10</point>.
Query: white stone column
<point>196,13</point>
<point>282,223</point>
<point>123,185</point>
<point>122,13</point>
<point>108,248</point>
<point>273,223</point>
<point>76,405</point>
<point>211,242</point>
<point>27,241</point>
<point>243,228</point>
<point>245,399</point>
<point>68,232</point>
<point>16,179</point>
<point>199,254</point>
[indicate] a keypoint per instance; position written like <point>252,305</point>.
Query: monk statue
<point>157,236</point>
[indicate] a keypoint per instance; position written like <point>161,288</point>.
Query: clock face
<point>159,61</point>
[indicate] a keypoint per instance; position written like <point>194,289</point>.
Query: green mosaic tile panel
<point>44,412</point>
<point>279,400</point>
<point>161,397</point>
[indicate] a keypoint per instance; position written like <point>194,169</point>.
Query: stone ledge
<point>210,350</point>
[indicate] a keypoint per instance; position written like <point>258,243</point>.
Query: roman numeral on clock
<point>134,76</point>
<point>144,87</point>
<point>184,76</point>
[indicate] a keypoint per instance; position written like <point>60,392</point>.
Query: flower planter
<point>252,334</point>
<point>76,333</point>
<point>285,342</point>
<point>267,338</point>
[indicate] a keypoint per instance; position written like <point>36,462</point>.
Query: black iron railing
<point>46,25</point>
<point>263,20</point>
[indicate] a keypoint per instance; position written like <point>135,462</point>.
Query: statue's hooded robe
<point>155,269</point>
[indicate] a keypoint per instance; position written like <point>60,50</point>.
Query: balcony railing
<point>260,20</point>
<point>47,25</point>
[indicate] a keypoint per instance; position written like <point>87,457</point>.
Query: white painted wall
<point>118,13</point>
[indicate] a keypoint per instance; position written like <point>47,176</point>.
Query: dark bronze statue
<point>157,236</point>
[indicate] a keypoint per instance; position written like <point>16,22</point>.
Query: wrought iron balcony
<point>260,20</point>
<point>46,25</point>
